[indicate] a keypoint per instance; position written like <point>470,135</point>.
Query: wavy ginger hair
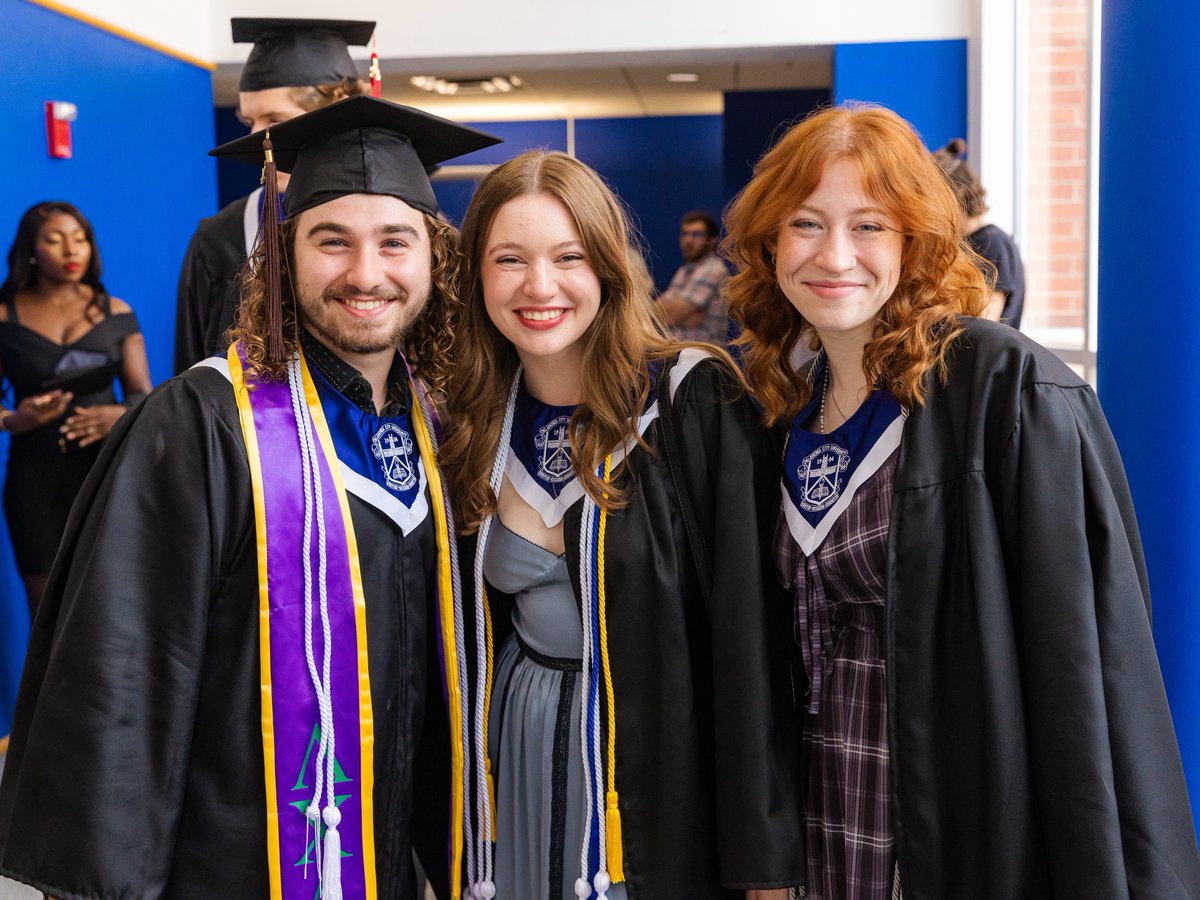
<point>619,345</point>
<point>938,282</point>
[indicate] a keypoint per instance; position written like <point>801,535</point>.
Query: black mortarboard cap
<point>298,52</point>
<point>360,145</point>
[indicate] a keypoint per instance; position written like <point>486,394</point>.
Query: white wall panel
<point>506,28</point>
<point>185,26</point>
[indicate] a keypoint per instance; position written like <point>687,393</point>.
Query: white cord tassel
<point>331,874</point>
<point>329,850</point>
<point>299,409</point>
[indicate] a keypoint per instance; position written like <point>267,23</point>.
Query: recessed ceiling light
<point>498,84</point>
<point>683,77</point>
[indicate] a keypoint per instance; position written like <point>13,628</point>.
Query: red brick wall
<point>1055,245</point>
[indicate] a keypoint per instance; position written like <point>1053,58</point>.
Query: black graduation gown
<point>1032,748</point>
<point>707,748</point>
<point>136,763</point>
<point>208,293</point>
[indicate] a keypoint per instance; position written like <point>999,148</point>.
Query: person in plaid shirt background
<point>692,301</point>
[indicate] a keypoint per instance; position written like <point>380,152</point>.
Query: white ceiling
<point>594,85</point>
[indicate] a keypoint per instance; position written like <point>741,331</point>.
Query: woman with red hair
<point>984,715</point>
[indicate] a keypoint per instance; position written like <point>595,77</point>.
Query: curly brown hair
<point>938,280</point>
<point>314,96</point>
<point>428,344</point>
<point>619,346</point>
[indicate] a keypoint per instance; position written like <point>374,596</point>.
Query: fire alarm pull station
<point>59,116</point>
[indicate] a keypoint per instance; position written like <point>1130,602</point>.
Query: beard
<point>361,336</point>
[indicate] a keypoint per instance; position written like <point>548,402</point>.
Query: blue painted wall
<point>661,167</point>
<point>1147,338</point>
<point>139,173</point>
<point>234,179</point>
<point>754,121</point>
<point>924,81</point>
<point>455,196</point>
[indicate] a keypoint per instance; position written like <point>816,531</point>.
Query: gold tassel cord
<point>612,816</point>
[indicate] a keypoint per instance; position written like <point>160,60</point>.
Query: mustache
<point>335,292</point>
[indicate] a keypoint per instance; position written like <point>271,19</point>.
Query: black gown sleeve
<point>731,468</point>
<point>193,305</point>
<point>208,292</point>
<point>93,786</point>
<point>1104,761</point>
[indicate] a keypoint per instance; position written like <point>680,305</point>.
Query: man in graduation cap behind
<point>234,687</point>
<point>295,66</point>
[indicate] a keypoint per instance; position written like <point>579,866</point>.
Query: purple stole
<point>290,716</point>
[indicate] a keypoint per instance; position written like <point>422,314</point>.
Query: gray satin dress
<point>534,726</point>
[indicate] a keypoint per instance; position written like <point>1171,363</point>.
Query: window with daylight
<point>1057,113</point>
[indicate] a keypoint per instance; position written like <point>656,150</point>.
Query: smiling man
<point>232,689</point>
<point>295,67</point>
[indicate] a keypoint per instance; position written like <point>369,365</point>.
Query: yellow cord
<point>612,815</point>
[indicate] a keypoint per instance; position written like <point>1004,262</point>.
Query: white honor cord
<point>485,888</point>
<point>329,867</point>
<point>313,812</point>
<point>583,887</point>
<point>596,785</point>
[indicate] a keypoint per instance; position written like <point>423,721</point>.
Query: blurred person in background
<point>692,301</point>
<point>63,341</point>
<point>296,66</point>
<point>1007,300</point>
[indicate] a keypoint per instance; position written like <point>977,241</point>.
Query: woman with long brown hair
<point>984,715</point>
<point>631,704</point>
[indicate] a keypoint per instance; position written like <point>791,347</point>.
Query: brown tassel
<point>273,295</point>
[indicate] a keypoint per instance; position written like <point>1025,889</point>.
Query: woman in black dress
<point>62,342</point>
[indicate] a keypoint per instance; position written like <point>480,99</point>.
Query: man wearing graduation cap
<point>296,66</point>
<point>235,685</point>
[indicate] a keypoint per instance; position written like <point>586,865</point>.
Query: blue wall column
<point>923,81</point>
<point>1149,316</point>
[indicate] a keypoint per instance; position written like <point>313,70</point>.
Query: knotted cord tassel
<point>616,856</point>
<point>375,72</point>
<point>491,789</point>
<point>331,875</point>
<point>376,81</point>
<point>273,297</point>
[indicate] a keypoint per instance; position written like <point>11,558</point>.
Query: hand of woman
<point>773,894</point>
<point>92,423</point>
<point>36,411</point>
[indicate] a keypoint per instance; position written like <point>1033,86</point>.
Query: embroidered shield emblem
<point>554,464</point>
<point>820,476</point>
<point>393,447</point>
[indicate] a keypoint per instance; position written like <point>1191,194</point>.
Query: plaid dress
<point>839,593</point>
